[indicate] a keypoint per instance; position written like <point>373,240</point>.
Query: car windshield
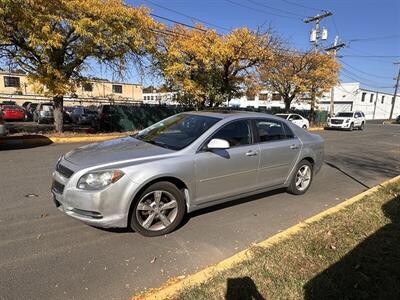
<point>344,114</point>
<point>282,116</point>
<point>176,132</point>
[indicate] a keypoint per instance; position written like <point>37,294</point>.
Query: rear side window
<point>237,133</point>
<point>272,130</point>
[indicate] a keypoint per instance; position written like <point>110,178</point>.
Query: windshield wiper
<point>158,143</point>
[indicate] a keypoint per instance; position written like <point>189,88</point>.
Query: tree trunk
<point>58,113</point>
<point>287,101</point>
<point>311,115</point>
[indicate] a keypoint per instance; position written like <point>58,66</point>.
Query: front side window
<point>11,81</point>
<point>237,133</point>
<point>176,132</point>
<point>270,130</point>
<point>117,88</point>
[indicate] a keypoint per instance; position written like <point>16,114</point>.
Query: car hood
<point>113,151</point>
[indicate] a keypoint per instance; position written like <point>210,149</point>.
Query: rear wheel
<point>158,210</point>
<point>305,127</point>
<point>301,179</point>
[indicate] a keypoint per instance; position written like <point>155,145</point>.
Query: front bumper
<point>339,126</point>
<point>106,208</point>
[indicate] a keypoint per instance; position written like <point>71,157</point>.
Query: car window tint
<point>236,133</point>
<point>288,132</point>
<point>270,130</point>
<point>296,117</point>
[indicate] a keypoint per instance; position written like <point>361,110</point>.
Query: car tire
<point>351,127</point>
<point>361,126</point>
<point>305,127</point>
<point>301,179</point>
<point>149,219</point>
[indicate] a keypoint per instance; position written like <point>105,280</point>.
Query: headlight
<point>347,121</point>
<point>99,180</point>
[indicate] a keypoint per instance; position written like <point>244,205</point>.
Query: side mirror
<point>218,144</point>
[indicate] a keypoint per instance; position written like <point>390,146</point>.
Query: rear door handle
<point>293,147</point>
<point>251,153</point>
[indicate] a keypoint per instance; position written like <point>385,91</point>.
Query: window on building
<point>383,99</point>
<point>363,97</point>
<point>263,97</point>
<point>87,87</point>
<point>276,97</point>
<point>251,97</point>
<point>371,99</point>
<point>117,88</point>
<point>11,81</point>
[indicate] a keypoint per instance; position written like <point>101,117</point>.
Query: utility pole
<point>316,33</point>
<point>333,49</point>
<point>395,92</point>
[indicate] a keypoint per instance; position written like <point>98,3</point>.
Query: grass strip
<point>351,254</point>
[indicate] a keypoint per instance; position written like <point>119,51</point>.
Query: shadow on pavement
<point>369,271</point>
<point>242,288</point>
<point>24,142</point>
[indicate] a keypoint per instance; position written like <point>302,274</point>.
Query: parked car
<point>13,113</point>
<point>25,104</point>
<point>30,109</point>
<point>81,115</point>
<point>181,164</point>
<point>67,110</point>
<point>3,130</point>
<point>296,119</point>
<point>44,113</point>
<point>347,120</point>
<point>398,119</point>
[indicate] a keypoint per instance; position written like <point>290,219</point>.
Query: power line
<point>387,56</point>
<point>273,8</point>
<point>177,22</point>
<point>376,38</point>
<point>356,77</point>
<point>300,5</point>
<point>259,10</point>
<point>186,16</point>
<point>363,72</point>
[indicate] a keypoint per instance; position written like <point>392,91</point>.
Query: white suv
<point>296,119</point>
<point>347,120</point>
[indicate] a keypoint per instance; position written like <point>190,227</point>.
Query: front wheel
<point>351,127</point>
<point>301,179</point>
<point>158,210</point>
<point>361,126</point>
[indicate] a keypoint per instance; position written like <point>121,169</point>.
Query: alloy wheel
<point>156,210</point>
<point>303,178</point>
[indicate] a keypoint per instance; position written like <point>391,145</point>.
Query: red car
<point>13,112</point>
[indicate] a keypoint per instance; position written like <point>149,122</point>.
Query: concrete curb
<point>315,128</point>
<point>170,289</point>
<point>41,139</point>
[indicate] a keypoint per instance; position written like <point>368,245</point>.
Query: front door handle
<point>293,147</point>
<point>251,153</point>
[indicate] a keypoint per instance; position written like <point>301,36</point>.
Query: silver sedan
<point>189,161</point>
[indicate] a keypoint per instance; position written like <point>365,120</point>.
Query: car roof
<point>224,114</point>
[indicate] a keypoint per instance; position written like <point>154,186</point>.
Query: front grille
<point>64,171</point>
<point>336,121</point>
<point>57,187</point>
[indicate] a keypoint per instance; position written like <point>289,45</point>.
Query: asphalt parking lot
<point>45,254</point>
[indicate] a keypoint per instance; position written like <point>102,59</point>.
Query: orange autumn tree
<point>52,40</point>
<point>208,68</point>
<point>294,74</point>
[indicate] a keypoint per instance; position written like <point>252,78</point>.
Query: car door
<point>279,150</point>
<point>357,119</point>
<point>227,172</point>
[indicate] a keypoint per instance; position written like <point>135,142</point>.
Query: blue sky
<point>369,27</point>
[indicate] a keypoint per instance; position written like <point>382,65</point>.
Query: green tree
<point>52,40</point>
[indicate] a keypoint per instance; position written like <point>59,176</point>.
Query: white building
<point>167,98</point>
<point>347,97</point>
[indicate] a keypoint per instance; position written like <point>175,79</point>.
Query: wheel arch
<point>179,183</point>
